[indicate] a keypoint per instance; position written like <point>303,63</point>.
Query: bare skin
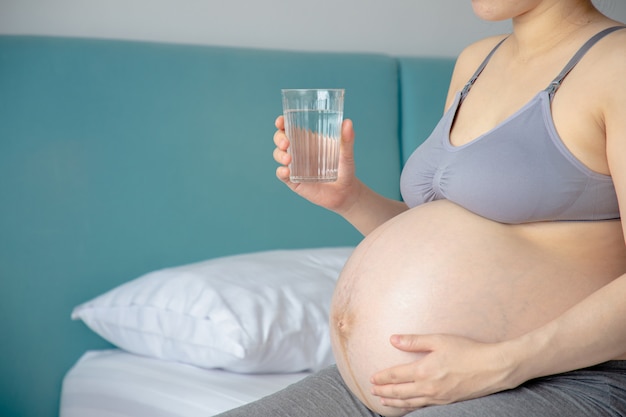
<point>471,277</point>
<point>437,304</point>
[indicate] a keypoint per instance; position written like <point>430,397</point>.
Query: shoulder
<point>607,64</point>
<point>610,51</point>
<point>602,73</point>
<point>469,60</point>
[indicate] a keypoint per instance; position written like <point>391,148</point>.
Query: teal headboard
<point>424,86</point>
<point>118,158</point>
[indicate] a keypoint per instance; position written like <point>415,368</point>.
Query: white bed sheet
<point>115,383</point>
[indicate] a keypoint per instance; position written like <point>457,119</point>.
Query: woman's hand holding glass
<point>337,196</point>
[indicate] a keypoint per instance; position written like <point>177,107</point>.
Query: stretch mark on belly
<point>343,320</point>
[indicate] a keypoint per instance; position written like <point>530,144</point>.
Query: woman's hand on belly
<point>454,368</point>
<point>438,269</point>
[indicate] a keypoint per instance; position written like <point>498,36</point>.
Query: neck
<point>550,24</point>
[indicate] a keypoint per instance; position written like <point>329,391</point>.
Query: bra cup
<point>517,173</point>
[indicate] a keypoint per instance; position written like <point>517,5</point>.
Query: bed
<point>108,383</point>
<point>204,337</point>
<point>138,195</point>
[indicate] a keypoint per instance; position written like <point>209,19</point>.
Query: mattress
<point>115,383</point>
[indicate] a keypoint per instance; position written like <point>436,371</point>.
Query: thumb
<point>347,141</point>
<point>412,342</point>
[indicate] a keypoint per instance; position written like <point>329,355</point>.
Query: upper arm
<point>614,116</point>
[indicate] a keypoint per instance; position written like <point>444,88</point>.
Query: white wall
<point>397,27</point>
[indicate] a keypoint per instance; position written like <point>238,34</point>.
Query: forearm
<point>369,210</point>
<point>591,332</point>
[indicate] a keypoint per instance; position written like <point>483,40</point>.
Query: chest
<point>518,172</point>
<point>574,113</point>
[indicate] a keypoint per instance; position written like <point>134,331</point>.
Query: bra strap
<point>480,69</point>
<point>556,83</point>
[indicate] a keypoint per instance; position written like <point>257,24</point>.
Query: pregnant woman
<point>498,286</point>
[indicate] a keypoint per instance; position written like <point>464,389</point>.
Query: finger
<point>412,403</point>
<point>397,375</point>
<point>347,137</point>
<point>280,140</point>
<point>347,130</point>
<point>412,342</point>
<point>280,122</point>
<point>395,391</point>
<point>407,405</point>
<point>282,173</point>
<point>281,156</point>
<point>346,150</point>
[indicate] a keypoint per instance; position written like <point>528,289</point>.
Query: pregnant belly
<point>438,268</point>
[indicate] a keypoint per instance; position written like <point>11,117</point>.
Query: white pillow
<point>252,313</point>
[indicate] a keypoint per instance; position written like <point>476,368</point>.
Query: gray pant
<point>591,392</point>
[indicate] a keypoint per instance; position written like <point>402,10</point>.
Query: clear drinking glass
<point>313,120</point>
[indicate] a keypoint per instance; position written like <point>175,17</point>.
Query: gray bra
<point>518,172</point>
